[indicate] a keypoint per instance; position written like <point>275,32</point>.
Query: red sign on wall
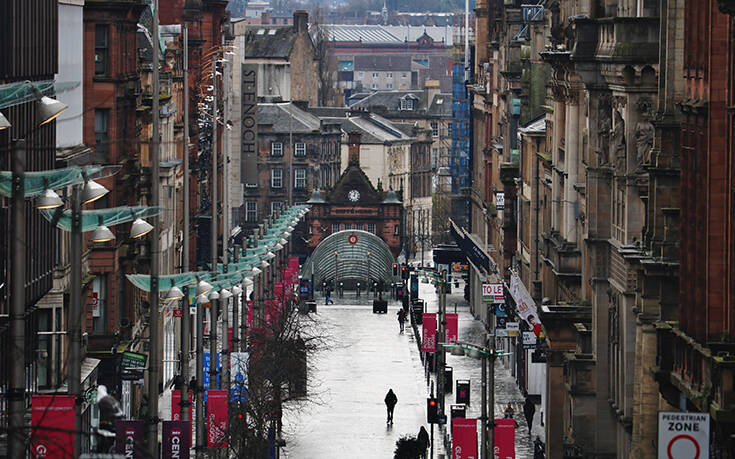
<point>505,437</point>
<point>52,426</point>
<point>428,332</point>
<point>129,439</point>
<point>464,438</point>
<point>452,327</point>
<point>217,419</point>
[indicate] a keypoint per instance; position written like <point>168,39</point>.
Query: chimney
<point>354,148</point>
<point>432,89</point>
<point>265,18</point>
<point>301,21</point>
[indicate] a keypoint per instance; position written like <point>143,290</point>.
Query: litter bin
<point>311,306</point>
<point>463,391</point>
<point>380,306</point>
<point>457,411</point>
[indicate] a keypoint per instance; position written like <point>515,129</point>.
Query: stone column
<point>571,164</point>
<point>559,116</point>
<point>646,403</point>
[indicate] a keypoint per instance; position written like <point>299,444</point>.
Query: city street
<point>368,356</point>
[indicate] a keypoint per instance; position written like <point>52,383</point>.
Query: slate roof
<point>286,117</point>
<point>537,126</point>
<point>441,106</point>
<point>269,41</point>
<point>379,34</point>
<point>383,62</point>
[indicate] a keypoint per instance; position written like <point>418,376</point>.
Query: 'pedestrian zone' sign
<point>683,435</point>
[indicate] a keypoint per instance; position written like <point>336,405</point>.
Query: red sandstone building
<point>697,352</point>
<point>353,203</point>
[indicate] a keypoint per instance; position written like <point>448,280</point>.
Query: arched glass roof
<point>350,254</point>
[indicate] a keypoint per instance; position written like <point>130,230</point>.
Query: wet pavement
<point>367,355</point>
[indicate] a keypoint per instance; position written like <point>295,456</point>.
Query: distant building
<point>290,138</point>
<point>286,57</point>
<point>373,57</point>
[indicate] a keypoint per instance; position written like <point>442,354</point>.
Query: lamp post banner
<point>464,438</point>
<point>428,332</point>
<point>505,437</point>
<point>217,419</point>
<point>176,440</point>
<point>129,439</point>
<point>176,407</point>
<point>452,327</point>
<point>52,426</point>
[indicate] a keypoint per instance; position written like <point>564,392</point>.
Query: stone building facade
<point>297,153</point>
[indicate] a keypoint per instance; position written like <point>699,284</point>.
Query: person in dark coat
<point>423,439</point>
<point>390,404</point>
<point>401,318</point>
<point>529,409</point>
<point>539,450</point>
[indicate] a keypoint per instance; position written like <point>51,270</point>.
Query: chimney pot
<point>301,21</point>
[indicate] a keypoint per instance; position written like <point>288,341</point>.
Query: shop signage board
<point>529,340</point>
<point>513,328</point>
<point>525,304</point>
<point>132,365</point>
<point>683,435</point>
<point>493,293</point>
<point>500,200</point>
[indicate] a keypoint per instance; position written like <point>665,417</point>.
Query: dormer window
<point>407,102</point>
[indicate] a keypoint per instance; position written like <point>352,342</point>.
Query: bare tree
<point>328,92</point>
<point>281,341</point>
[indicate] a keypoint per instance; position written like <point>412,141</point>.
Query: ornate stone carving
<point>644,105</point>
<point>644,132</point>
<point>604,126</point>
<point>618,143</point>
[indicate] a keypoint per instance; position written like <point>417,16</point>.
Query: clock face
<point>353,195</point>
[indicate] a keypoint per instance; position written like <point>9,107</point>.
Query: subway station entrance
<point>351,256</point>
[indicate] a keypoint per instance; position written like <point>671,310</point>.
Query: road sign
<point>683,435</point>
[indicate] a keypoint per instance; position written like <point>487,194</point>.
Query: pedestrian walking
<point>529,409</point>
<point>539,450</point>
<point>328,295</point>
<point>401,318</point>
<point>424,442</point>
<point>509,411</point>
<point>390,404</point>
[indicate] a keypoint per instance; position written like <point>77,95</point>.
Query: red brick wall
<point>706,279</point>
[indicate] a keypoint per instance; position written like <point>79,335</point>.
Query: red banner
<point>464,438</point>
<point>176,440</point>
<point>452,327</point>
<point>428,332</point>
<point>52,426</point>
<point>505,438</point>
<point>176,407</point>
<point>249,314</point>
<point>129,439</point>
<point>217,419</point>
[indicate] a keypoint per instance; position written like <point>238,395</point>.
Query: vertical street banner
<point>249,314</point>
<point>428,332</point>
<point>176,440</point>
<point>683,435</point>
<point>452,327</point>
<point>525,304</point>
<point>205,364</point>
<point>217,419</point>
<point>505,438</point>
<point>464,438</point>
<point>176,407</point>
<point>293,265</point>
<point>52,426</point>
<point>129,439</point>
<point>239,372</point>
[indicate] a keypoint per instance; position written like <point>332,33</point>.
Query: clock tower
<point>355,204</point>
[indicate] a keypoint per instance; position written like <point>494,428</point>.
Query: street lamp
<point>4,123</point>
<point>49,200</point>
<point>140,228</point>
<point>92,191</point>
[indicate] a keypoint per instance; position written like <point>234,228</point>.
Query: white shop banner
<point>525,304</point>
